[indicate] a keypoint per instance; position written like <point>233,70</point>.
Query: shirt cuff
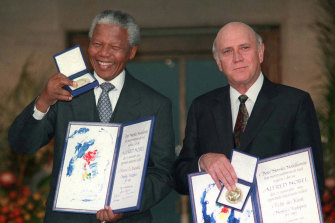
<point>38,115</point>
<point>199,163</point>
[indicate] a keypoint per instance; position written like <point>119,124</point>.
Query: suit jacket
<point>283,119</point>
<point>137,100</point>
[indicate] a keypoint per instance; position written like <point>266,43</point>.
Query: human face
<point>238,55</point>
<point>109,50</point>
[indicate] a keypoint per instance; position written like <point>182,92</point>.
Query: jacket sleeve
<point>187,161</point>
<point>26,134</point>
<point>307,134</point>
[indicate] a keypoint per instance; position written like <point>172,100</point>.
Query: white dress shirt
<point>252,94</point>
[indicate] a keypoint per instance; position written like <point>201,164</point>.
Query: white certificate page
<point>287,190</point>
<point>130,165</point>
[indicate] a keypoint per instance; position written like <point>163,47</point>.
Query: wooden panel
<point>271,65</point>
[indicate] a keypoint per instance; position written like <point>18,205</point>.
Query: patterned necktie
<point>104,103</point>
<point>241,120</point>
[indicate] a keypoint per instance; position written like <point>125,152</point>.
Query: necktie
<point>241,120</point>
<point>104,104</point>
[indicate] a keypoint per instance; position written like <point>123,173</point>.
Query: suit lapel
<point>261,112</point>
<point>223,120</point>
<point>128,105</point>
<point>83,105</point>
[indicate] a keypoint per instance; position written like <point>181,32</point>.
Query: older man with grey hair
<point>114,38</point>
<point>250,114</point>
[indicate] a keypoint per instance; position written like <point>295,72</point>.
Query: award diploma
<point>287,189</point>
<point>103,164</point>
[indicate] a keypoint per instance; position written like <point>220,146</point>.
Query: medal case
<point>245,167</point>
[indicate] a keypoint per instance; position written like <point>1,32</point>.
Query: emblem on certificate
<point>234,196</point>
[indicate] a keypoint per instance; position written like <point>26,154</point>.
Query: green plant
<point>326,29</point>
<point>23,200</point>
<point>326,37</point>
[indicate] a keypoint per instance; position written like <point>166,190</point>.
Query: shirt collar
<point>118,81</point>
<point>252,92</point>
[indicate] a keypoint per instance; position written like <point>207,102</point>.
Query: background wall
<point>36,30</point>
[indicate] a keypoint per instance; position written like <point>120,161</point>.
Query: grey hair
<point>258,38</point>
<point>121,19</point>
<point>259,41</point>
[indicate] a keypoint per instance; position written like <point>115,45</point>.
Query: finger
<point>220,169</point>
<point>212,165</point>
<point>222,174</point>
<point>228,175</point>
<point>106,215</point>
<point>110,213</point>
<point>99,215</point>
<point>56,85</point>
<point>230,170</point>
<point>62,80</point>
<point>223,178</point>
<point>214,176</point>
<point>66,82</point>
<point>74,84</point>
<point>63,95</point>
<point>58,77</point>
<point>226,179</point>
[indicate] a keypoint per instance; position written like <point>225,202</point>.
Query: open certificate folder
<point>103,164</point>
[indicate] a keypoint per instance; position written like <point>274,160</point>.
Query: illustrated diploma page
<point>203,196</point>
<point>86,167</point>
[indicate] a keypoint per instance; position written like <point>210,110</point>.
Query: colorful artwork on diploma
<point>207,210</point>
<point>214,212</point>
<point>87,166</point>
<point>82,151</point>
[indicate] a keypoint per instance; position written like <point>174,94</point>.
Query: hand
<point>108,215</point>
<point>53,91</point>
<point>220,169</point>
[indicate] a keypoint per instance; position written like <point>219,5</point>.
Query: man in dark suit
<point>279,118</point>
<point>114,38</point>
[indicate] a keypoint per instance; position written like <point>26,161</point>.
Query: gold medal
<point>81,82</point>
<point>234,196</point>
